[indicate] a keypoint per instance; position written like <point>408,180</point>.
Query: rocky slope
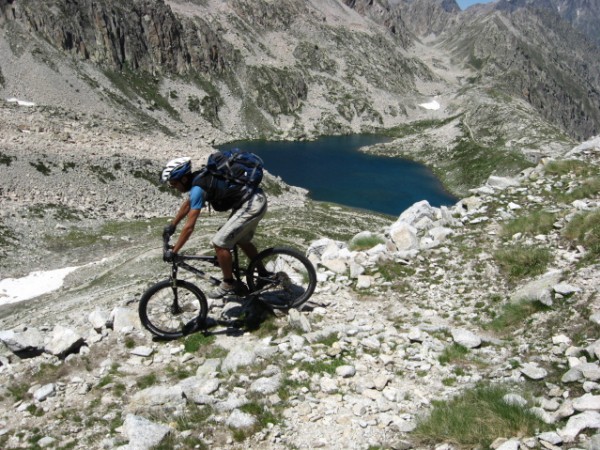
<point>359,367</point>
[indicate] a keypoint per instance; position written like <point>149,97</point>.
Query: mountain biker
<point>239,228</point>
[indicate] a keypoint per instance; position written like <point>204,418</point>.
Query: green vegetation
<point>584,230</point>
<point>452,354</point>
<point>58,211</point>
<point>366,242</point>
<point>518,262</point>
<point>145,381</point>
<point>6,160</point>
<point>194,103</point>
<point>82,237</point>
<point>418,127</point>
<point>193,418</point>
<point>41,167</point>
<point>569,167</point>
<point>322,366</point>
<point>515,314</point>
<point>135,84</point>
<point>589,188</point>
<point>68,166</point>
<point>538,222</point>
<point>587,176</point>
<point>476,418</point>
<point>103,174</point>
<point>470,164</point>
<point>7,237</point>
<point>194,342</point>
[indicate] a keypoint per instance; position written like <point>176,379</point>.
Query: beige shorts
<point>241,225</point>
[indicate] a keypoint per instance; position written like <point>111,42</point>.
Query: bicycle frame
<point>181,263</point>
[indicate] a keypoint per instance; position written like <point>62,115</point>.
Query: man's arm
<point>188,228</point>
<point>183,211</point>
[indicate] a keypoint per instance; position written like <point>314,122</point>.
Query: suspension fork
<point>173,279</point>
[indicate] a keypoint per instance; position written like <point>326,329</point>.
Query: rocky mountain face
<point>526,50</point>
<point>581,14</point>
<point>299,69</point>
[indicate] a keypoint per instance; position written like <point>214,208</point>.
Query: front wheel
<point>282,277</point>
<point>170,311</point>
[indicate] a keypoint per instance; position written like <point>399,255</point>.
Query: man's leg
<point>249,249</point>
<point>225,262</point>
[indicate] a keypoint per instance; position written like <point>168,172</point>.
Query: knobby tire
<point>158,314</point>
<point>290,281</point>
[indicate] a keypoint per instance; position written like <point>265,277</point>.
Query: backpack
<point>230,178</point>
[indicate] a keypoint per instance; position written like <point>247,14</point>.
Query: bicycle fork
<point>175,308</point>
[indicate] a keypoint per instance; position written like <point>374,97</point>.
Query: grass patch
<point>514,314</point>
<point>538,222</point>
<point>476,418</point>
<point>141,84</point>
<point>568,166</point>
<point>519,262</point>
<point>194,342</point>
<point>453,353</point>
<point>584,230</point>
<point>6,160</point>
<point>471,164</point>
<point>146,381</point>
<point>588,189</point>
<point>41,167</point>
<point>365,242</point>
<point>323,366</point>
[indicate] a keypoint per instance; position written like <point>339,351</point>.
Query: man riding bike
<point>247,206</point>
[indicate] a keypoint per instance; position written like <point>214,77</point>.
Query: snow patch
<point>19,102</point>
<point>433,104</point>
<point>13,290</point>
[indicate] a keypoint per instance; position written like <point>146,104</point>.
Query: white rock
<point>142,351</point>
<point>62,341</point>
<point>17,341</point>
<point>578,423</point>
<point>502,183</point>
<point>587,402</point>
<point>142,433</point>
<point>44,392</point>
<point>404,237</point>
<point>551,437</point>
<point>565,289</point>
<point>98,319</point>
<point>239,420</point>
<point>511,444</point>
<point>346,371</point>
<point>533,371</point>
<point>364,282</point>
<point>465,338</point>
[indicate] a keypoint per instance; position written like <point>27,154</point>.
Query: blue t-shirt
<point>196,197</point>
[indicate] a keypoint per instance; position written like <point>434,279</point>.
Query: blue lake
<point>333,170</point>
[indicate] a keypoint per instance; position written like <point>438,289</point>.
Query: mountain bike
<point>280,277</point>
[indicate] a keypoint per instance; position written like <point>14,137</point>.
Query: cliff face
<point>140,34</point>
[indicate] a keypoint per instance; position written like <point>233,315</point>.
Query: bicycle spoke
<point>168,313</point>
<point>289,281</point>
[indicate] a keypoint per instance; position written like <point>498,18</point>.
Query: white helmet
<point>176,169</point>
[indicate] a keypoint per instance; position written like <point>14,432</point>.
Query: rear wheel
<point>170,312</point>
<point>283,277</point>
